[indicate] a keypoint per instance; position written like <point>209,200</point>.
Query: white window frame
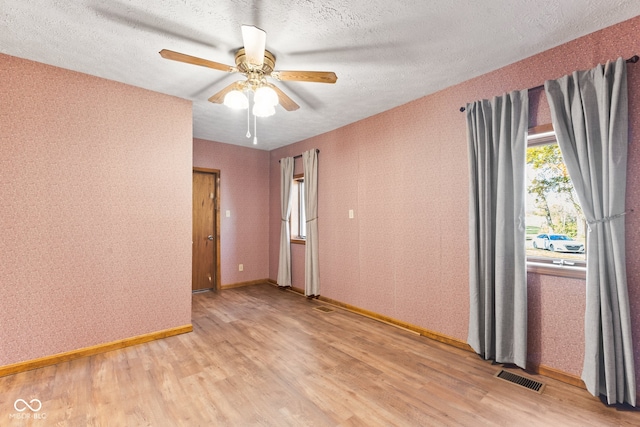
<point>298,218</point>
<point>542,135</point>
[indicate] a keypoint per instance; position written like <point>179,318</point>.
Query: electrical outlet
<point>240,267</point>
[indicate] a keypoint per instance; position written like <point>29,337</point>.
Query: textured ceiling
<point>385,52</point>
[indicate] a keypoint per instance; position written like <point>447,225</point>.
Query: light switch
<point>350,213</point>
<point>228,214</point>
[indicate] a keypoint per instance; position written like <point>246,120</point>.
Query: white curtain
<point>311,268</point>
<point>286,182</point>
<point>497,264</point>
<point>590,116</point>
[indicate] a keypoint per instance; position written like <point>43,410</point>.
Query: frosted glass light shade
<point>266,95</point>
<point>263,110</point>
<point>236,100</point>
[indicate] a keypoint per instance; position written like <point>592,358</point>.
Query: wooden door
<point>205,234</point>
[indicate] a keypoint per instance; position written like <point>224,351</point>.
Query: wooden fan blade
<point>286,102</point>
<point>306,76</point>
<point>254,40</point>
<point>218,98</point>
<point>181,57</point>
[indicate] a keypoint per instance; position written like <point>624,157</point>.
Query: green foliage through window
<point>555,199</point>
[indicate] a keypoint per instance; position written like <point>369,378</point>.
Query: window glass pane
<point>555,225</point>
<point>302,215</point>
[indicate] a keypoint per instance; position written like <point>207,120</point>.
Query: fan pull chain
<point>248,123</point>
<point>255,130</point>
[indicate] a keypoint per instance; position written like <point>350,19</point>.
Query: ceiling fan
<point>256,63</point>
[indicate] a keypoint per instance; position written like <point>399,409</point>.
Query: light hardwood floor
<point>260,356</point>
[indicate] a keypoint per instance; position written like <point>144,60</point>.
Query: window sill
<point>556,270</point>
<point>298,241</point>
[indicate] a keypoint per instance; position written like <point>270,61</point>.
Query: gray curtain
<point>589,112</point>
<point>311,267</point>
<point>286,182</point>
<point>497,132</point>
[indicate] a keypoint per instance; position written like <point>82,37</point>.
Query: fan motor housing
<point>244,67</point>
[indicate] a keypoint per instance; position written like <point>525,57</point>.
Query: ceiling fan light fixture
<point>266,95</point>
<point>236,100</point>
<point>263,110</point>
<point>256,64</point>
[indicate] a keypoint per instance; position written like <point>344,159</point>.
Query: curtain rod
<point>631,60</point>
<point>300,155</point>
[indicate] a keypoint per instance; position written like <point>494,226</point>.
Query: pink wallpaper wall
<point>244,191</point>
<point>95,211</point>
<point>405,174</point>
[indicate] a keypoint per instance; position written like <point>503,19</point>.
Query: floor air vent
<point>525,382</point>
<point>324,309</point>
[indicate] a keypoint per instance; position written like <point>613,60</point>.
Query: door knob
<point>210,237</point>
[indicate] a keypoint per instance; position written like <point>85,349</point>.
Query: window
<point>555,224</point>
<point>298,217</point>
